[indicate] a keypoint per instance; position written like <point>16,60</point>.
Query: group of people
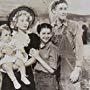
<point>55,51</point>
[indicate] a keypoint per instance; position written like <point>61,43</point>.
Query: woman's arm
<point>79,54</point>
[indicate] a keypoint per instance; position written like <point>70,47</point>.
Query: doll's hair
<point>43,25</point>
<point>13,16</point>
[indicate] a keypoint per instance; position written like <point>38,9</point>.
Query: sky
<point>79,6</point>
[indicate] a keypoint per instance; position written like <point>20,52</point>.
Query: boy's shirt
<point>49,54</point>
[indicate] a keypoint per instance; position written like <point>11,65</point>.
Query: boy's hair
<point>43,25</point>
<point>55,3</point>
<point>15,11</point>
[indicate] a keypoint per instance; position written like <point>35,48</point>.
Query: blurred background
<point>78,9</point>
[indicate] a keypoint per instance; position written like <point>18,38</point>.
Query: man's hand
<point>75,74</point>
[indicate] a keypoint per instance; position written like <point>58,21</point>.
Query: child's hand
<point>34,53</point>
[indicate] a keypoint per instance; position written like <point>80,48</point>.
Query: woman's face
<point>23,22</point>
<point>61,10</point>
<point>45,34</point>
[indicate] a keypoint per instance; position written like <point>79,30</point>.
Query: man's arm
<point>79,54</point>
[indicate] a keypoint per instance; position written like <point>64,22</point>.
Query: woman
<point>19,22</point>
<point>19,27</point>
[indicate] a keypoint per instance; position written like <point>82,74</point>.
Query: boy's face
<point>45,34</point>
<point>23,22</point>
<point>61,10</point>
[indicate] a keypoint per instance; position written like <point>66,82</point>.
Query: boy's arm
<point>31,61</point>
<point>35,54</point>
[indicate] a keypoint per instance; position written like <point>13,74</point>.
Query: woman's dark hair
<point>14,12</point>
<point>58,2</point>
<point>43,25</point>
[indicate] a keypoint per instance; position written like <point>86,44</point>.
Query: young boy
<point>49,53</point>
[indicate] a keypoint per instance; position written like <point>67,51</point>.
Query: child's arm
<point>35,54</point>
<point>31,61</point>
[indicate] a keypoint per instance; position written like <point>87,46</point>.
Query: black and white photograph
<point>44,44</point>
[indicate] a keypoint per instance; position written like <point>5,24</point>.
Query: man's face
<point>45,34</point>
<point>61,10</point>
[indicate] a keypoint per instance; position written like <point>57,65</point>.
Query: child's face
<point>45,34</point>
<point>23,22</point>
<point>61,10</point>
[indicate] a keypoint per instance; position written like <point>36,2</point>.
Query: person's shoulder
<point>34,40</point>
<point>33,35</point>
<point>72,22</point>
<point>74,25</point>
<point>54,47</point>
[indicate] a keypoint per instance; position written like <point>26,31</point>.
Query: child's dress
<point>19,40</point>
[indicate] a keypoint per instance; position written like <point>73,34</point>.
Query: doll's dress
<point>20,40</point>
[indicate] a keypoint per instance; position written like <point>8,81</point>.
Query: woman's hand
<point>75,74</point>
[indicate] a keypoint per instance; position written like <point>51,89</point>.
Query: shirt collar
<point>42,45</point>
<point>62,22</point>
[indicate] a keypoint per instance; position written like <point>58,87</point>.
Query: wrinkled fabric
<point>45,81</point>
<point>70,46</point>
